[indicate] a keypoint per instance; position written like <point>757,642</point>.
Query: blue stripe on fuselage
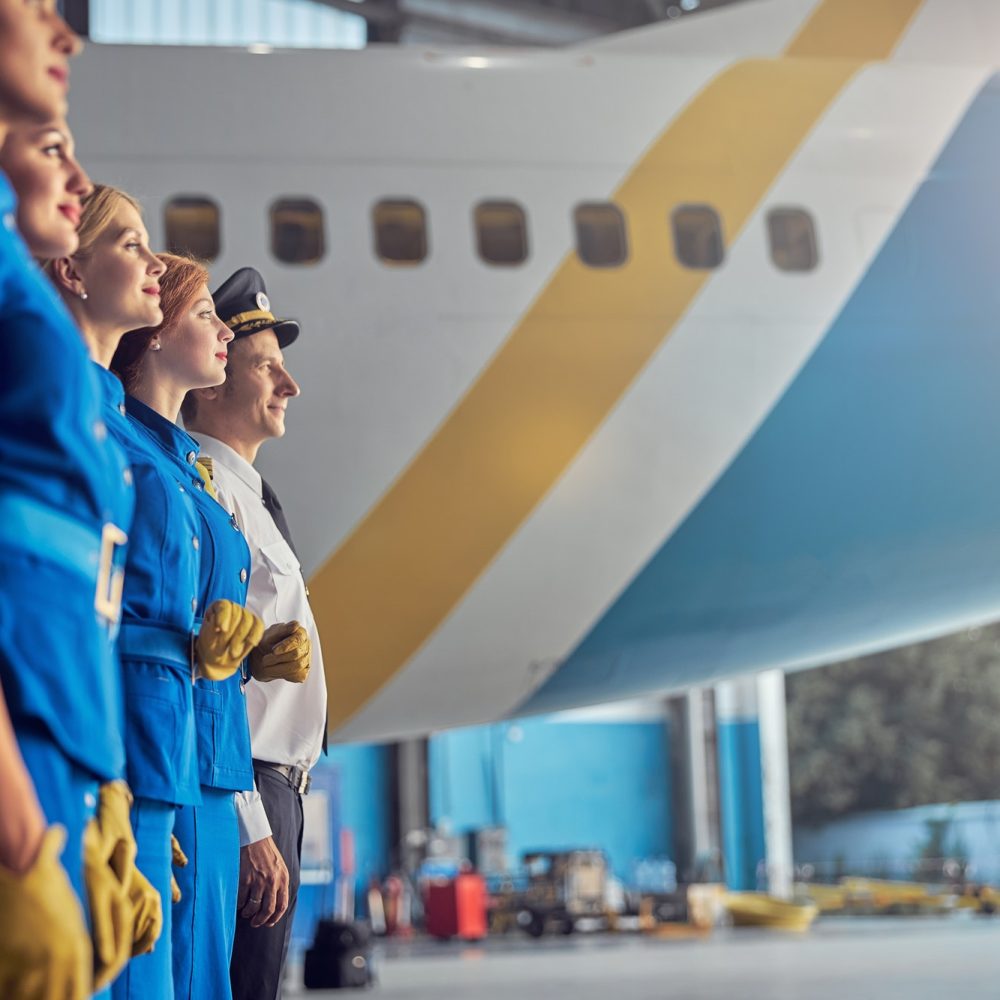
<point>865,511</point>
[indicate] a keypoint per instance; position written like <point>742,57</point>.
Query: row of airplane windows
<point>193,224</point>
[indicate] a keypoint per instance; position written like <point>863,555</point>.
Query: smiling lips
<point>152,290</point>
<point>72,212</point>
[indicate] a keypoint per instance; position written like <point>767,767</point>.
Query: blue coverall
<point>159,619</point>
<point>204,921</point>
<point>65,498</point>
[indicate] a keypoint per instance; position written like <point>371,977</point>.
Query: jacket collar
<point>222,454</point>
<point>112,390</point>
<point>174,440</point>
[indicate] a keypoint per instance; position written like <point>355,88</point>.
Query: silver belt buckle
<point>301,779</point>
<point>110,581</point>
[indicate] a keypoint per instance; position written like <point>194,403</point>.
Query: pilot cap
<point>241,303</point>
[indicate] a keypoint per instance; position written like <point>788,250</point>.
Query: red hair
<point>178,286</point>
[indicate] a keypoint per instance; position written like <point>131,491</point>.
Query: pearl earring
<point>83,295</point>
<point>155,345</point>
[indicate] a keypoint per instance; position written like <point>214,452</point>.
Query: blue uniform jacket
<point>159,601</point>
<point>62,479</point>
<point>224,758</point>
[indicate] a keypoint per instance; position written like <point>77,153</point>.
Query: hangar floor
<point>864,959</point>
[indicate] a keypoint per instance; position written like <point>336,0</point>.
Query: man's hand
<point>282,654</point>
<point>263,895</point>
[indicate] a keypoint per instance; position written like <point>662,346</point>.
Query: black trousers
<point>259,953</point>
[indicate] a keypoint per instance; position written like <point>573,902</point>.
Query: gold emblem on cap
<point>263,302</point>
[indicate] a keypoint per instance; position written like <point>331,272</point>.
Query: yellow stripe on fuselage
<point>868,30</point>
<point>566,364</point>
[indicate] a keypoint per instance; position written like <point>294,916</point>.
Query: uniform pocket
<point>159,732</point>
<point>208,716</point>
<point>280,558</point>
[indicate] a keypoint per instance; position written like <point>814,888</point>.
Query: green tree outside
<point>908,727</point>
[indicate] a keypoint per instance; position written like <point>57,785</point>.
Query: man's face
<point>257,388</point>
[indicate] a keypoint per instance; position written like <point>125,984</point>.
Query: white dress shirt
<point>287,720</point>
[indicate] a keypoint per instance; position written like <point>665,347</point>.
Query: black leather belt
<point>297,777</point>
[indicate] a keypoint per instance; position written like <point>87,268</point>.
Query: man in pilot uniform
<point>287,720</point>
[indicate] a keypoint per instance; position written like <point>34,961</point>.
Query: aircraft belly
<point>863,512</point>
<point>546,614</point>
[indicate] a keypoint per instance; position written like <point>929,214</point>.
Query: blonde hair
<point>99,209</point>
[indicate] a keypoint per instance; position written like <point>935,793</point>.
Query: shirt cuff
<point>251,817</point>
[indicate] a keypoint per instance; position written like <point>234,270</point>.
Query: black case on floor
<point>341,956</point>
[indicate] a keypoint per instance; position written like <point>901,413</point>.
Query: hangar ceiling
<point>511,22</point>
<point>408,22</point>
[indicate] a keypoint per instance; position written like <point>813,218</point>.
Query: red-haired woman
<point>190,560</point>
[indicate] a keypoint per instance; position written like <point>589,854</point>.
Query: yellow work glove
<point>147,914</point>
<point>227,635</point>
<point>45,950</point>
<point>109,870</point>
<point>283,654</point>
<point>179,860</point>
<point>115,824</point>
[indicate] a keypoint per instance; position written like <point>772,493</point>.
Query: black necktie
<point>273,505</point>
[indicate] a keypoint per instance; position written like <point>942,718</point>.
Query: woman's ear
<point>67,278</point>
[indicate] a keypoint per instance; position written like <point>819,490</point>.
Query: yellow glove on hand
<point>115,823</point>
<point>45,951</point>
<point>227,635</point>
<point>179,860</point>
<point>147,910</point>
<point>283,654</point>
<point>108,870</point>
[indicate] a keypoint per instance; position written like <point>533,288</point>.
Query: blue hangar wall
<point>358,781</point>
<point>891,843</point>
<point>558,783</point>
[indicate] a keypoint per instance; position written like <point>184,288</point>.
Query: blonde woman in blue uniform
<point>158,367</point>
<point>112,285</point>
<point>63,495</point>
<point>39,161</point>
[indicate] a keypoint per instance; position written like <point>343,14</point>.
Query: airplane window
<point>698,236</point>
<point>400,231</point>
<point>502,232</point>
<point>600,234</point>
<point>793,239</point>
<point>192,224</point>
<point>297,231</point>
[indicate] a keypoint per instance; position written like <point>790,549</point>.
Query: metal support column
<point>411,795</point>
<point>776,788</point>
<point>695,804</point>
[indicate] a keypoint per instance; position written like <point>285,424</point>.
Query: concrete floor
<point>855,958</point>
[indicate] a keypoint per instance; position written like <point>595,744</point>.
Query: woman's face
<point>40,164</point>
<point>121,275</point>
<point>193,350</point>
<point>36,45</point>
